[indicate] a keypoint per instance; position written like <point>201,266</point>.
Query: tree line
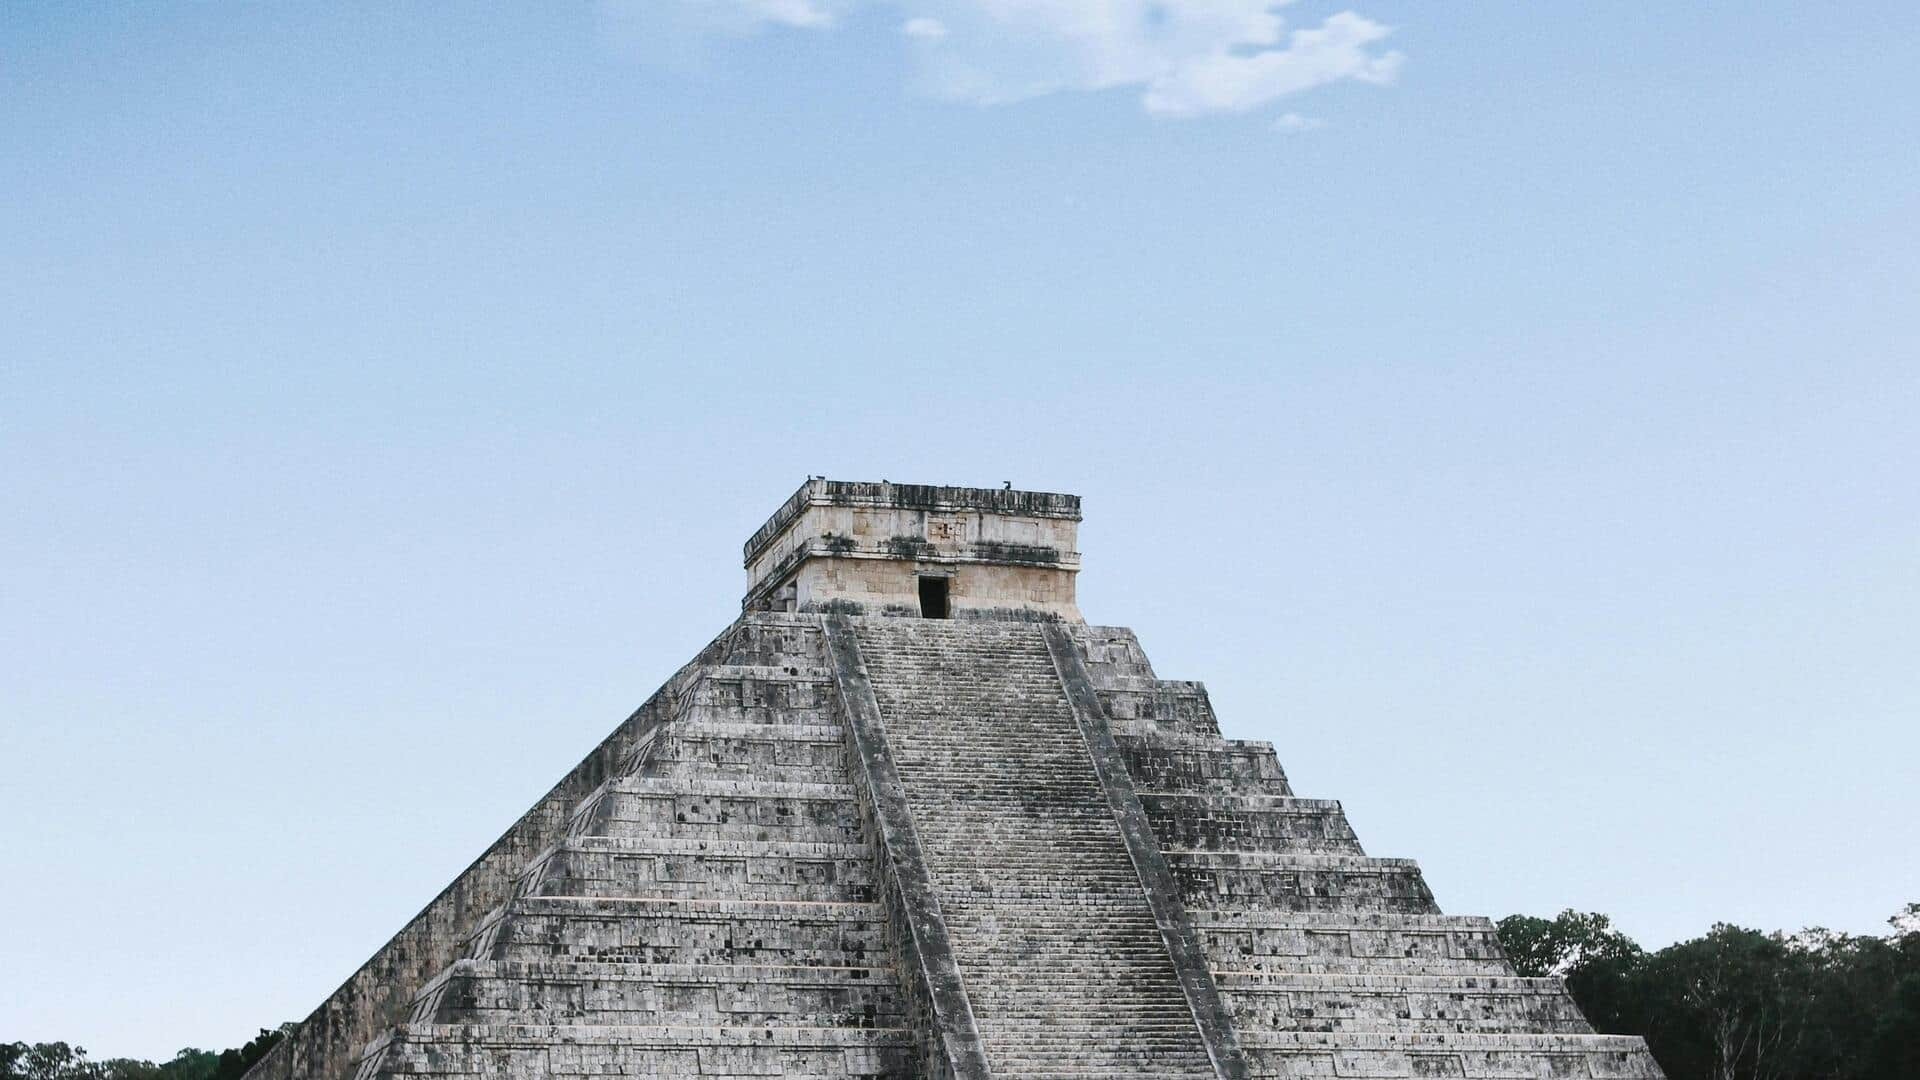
<point>1739,1004</point>
<point>59,1061</point>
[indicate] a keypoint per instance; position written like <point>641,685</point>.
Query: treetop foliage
<point>1739,1004</point>
<point>59,1061</point>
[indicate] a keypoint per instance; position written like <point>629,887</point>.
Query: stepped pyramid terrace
<point>911,817</point>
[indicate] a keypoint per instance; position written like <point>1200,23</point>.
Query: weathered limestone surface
<point>1332,963</point>
<point>1055,938</point>
<point>997,845</point>
<point>710,911</point>
<point>862,548</point>
<point>936,993</point>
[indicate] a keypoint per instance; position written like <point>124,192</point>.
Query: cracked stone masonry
<point>911,817</point>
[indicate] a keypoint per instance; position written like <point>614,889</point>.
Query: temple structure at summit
<point>911,817</point>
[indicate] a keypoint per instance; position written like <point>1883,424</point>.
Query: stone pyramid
<point>910,817</point>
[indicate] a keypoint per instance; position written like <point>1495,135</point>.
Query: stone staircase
<point>1059,950</point>
<point>846,841</point>
<point>709,910</point>
<point>715,901</point>
<point>1332,963</point>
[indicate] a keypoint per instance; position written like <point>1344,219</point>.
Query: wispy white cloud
<point>1238,80</point>
<point>1294,124</point>
<point>1184,57</point>
<point>924,28</point>
<point>790,12</point>
<point>658,19</point>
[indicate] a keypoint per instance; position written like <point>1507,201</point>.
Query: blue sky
<point>1507,409</point>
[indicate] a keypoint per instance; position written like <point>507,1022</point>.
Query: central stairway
<point>1064,965</point>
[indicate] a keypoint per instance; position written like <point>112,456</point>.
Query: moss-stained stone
<point>847,842</point>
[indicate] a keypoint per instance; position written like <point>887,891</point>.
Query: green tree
<point>46,1061</point>
<point>1564,943</point>
<point>1733,1004</point>
<point>233,1064</point>
<point>60,1061</point>
<point>191,1064</point>
<point>129,1069</point>
<point>1894,1049</point>
<point>1598,963</point>
<point>1737,1004</point>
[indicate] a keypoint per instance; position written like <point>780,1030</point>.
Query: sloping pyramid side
<point>1331,962</point>
<point>707,909</point>
<point>710,894</point>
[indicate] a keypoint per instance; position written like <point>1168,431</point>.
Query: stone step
<point>1176,762</point>
<point>1082,1046</point>
<point>693,746</point>
<point>727,741</point>
<point>763,642</point>
<point>1347,942</point>
<point>827,765</point>
<point>1147,706</point>
<point>1404,1003</point>
<point>984,891</point>
<point>721,808</point>
<point>1283,882</point>
<point>1099,877</point>
<point>564,992</point>
<point>577,1052</point>
<point>760,694</point>
<point>1027,945</point>
<point>1110,653</point>
<point>680,931</point>
<point>1256,823</point>
<point>698,728</point>
<point>725,788</point>
<point>1477,1056</point>
<point>1005,1004</point>
<point>663,866</point>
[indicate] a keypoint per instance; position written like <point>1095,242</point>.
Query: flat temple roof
<point>883,495</point>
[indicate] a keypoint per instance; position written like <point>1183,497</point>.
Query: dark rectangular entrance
<point>933,598</point>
